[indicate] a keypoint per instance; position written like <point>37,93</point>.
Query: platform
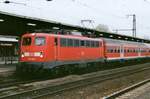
<point>142,92</point>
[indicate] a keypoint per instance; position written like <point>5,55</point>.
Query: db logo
<point>82,53</point>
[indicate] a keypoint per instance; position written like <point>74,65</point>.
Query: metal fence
<point>8,53</point>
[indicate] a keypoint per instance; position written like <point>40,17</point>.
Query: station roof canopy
<point>16,25</point>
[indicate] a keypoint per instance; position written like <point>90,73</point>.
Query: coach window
<point>128,50</point>
<point>142,50</point>
<point>118,50</point>
<point>137,50</point>
<point>111,51</point>
<point>107,50</point>
<point>134,50</point>
<point>124,50</point>
<point>26,41</point>
<point>114,50</point>
<point>63,42</point>
<point>39,41</point>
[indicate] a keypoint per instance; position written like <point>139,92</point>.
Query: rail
<point>51,90</point>
<point>123,91</point>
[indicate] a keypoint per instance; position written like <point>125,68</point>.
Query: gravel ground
<point>142,92</point>
<point>90,92</point>
<point>100,90</point>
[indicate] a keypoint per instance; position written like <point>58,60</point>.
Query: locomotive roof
<point>64,36</point>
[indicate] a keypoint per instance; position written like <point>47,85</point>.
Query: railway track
<point>123,91</point>
<point>88,80</point>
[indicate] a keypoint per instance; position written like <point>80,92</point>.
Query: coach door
<point>139,52</point>
<point>56,48</point>
<point>121,51</point>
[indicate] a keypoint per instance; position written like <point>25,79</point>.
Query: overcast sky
<point>112,13</point>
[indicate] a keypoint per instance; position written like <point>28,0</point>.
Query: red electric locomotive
<point>51,50</point>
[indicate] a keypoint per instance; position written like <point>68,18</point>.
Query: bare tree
<point>102,28</point>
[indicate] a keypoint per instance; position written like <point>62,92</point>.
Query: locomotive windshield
<point>39,41</point>
<point>26,41</point>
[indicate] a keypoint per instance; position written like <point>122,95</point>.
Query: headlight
<point>39,54</point>
<point>22,54</point>
<point>26,54</point>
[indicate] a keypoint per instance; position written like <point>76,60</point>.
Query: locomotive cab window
<point>26,41</point>
<point>39,41</point>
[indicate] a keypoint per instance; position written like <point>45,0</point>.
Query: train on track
<point>50,50</point>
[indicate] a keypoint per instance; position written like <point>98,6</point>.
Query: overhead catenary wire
<point>97,9</point>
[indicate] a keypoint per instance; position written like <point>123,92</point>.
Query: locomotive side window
<point>39,41</point>
<point>76,43</point>
<point>63,42</point>
<point>70,42</point>
<point>82,43</point>
<point>97,44</point>
<point>26,41</point>
<point>87,43</point>
<point>92,43</point>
